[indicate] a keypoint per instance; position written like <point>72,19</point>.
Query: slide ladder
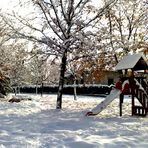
<point>143,99</point>
<point>113,95</point>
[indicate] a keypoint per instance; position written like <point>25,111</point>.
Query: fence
<point>68,89</point>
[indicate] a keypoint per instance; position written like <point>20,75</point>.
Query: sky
<point>8,4</point>
<point>13,5</point>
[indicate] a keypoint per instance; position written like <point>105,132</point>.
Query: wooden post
<point>42,85</point>
<point>120,103</point>
<point>132,86</point>
<point>133,104</point>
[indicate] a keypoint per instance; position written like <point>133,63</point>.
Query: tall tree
<point>59,24</point>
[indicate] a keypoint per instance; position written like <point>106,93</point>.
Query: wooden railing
<point>143,99</point>
<point>141,96</point>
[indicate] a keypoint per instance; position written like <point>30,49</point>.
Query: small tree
<point>5,85</point>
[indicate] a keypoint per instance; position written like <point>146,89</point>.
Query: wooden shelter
<point>134,62</point>
<point>138,86</point>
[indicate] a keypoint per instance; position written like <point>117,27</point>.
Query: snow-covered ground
<point>37,124</point>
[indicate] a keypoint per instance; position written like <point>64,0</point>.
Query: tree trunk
<point>19,89</point>
<point>36,89</point>
<point>42,85</point>
<point>61,81</point>
<point>15,90</point>
<point>75,90</point>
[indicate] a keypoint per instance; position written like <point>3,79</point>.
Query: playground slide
<point>113,95</point>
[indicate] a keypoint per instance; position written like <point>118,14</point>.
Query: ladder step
<point>139,111</point>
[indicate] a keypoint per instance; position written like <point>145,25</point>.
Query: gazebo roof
<point>135,62</point>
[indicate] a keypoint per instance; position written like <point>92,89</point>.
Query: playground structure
<point>129,84</point>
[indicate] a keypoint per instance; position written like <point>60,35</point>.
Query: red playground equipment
<point>135,86</point>
<point>129,84</point>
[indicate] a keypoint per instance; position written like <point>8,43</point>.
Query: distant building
<point>106,78</point>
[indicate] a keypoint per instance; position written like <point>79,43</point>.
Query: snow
<point>130,61</point>
<point>37,124</point>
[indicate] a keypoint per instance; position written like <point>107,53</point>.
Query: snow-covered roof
<point>135,61</point>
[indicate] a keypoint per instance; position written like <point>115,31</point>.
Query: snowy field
<point>37,124</point>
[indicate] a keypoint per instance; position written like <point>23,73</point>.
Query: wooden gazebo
<point>138,87</point>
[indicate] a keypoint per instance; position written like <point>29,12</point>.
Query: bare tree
<point>126,21</point>
<point>59,25</point>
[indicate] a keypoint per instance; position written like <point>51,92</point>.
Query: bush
<point>5,86</point>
